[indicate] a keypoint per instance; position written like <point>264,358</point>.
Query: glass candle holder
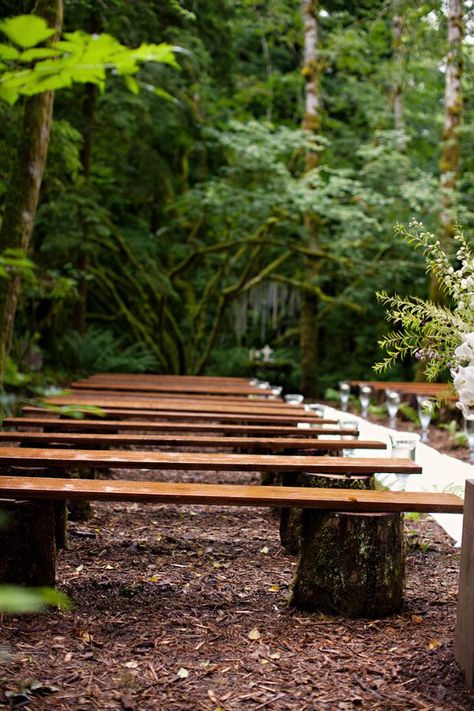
<point>392,402</point>
<point>276,391</point>
<point>469,430</point>
<point>344,392</point>
<point>425,413</point>
<point>346,425</point>
<point>294,398</point>
<point>403,447</point>
<point>315,408</point>
<point>364,398</point>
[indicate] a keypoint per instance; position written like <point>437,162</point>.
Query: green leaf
<point>7,52</point>
<point>131,84</point>
<point>26,30</point>
<point>15,599</point>
<point>29,55</point>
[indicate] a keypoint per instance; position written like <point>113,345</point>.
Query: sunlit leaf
<point>26,30</point>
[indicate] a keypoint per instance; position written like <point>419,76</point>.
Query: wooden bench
<point>464,642</point>
<point>12,487</point>
<point>64,458</point>
<point>184,440</point>
<point>140,421</point>
<point>135,409</point>
<point>442,390</point>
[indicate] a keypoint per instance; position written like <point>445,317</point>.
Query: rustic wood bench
<point>92,440</point>
<point>135,409</point>
<point>64,458</point>
<point>362,501</point>
<point>140,422</point>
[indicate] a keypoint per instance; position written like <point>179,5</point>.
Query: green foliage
<point>19,600</point>
<point>14,261</point>
<point>78,58</point>
<point>99,350</point>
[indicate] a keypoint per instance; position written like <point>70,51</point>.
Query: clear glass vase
<point>469,430</point>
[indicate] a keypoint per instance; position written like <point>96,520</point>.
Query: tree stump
<point>59,507</point>
<point>350,564</point>
<point>80,510</point>
<point>291,519</point>
<point>27,543</point>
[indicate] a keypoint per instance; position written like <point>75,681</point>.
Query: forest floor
<point>183,608</point>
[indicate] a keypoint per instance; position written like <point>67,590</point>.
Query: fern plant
<point>431,332</point>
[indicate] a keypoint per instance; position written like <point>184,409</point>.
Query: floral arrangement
<point>441,336</point>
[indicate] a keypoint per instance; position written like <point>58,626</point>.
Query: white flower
<point>464,385</point>
<point>464,353</point>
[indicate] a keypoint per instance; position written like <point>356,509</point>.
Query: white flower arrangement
<point>441,336</point>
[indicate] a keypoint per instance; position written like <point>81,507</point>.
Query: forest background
<point>175,234</point>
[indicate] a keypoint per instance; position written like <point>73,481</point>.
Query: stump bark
<point>27,543</point>
<point>59,507</point>
<point>291,519</point>
<point>350,564</point>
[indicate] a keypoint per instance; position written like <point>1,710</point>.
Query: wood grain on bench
<point>182,415</point>
<point>137,423</point>
<point>229,495</point>
<point>117,440</point>
<point>202,461</point>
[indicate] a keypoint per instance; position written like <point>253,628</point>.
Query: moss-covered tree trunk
<point>27,543</point>
<point>450,153</point>
<point>291,520</point>
<point>399,67</point>
<point>311,71</point>
<point>350,564</point>
<point>23,192</point>
<point>82,263</point>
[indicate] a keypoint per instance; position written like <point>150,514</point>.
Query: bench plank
<point>131,406</point>
<point>229,495</point>
<point>185,440</point>
<point>203,461</point>
<point>157,426</point>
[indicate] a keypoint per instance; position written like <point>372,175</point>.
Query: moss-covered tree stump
<point>80,510</point>
<point>291,520</point>
<point>59,507</point>
<point>350,564</point>
<point>27,543</point>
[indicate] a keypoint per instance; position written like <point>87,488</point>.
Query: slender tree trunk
<point>88,110</point>
<point>23,192</point>
<point>311,122</point>
<point>449,161</point>
<point>399,63</point>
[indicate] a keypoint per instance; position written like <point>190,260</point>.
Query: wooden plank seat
<point>64,458</point>
<point>119,440</point>
<point>150,401</point>
<point>229,495</point>
<point>177,399</point>
<point>443,390</point>
<point>141,425</point>
<point>210,388</point>
<point>178,415</point>
<point>170,405</point>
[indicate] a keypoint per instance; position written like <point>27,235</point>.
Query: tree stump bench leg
<point>80,510</point>
<point>350,564</point>
<point>291,519</point>
<point>59,507</point>
<point>464,642</point>
<point>28,543</point>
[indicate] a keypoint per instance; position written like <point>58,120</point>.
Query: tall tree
<point>311,122</point>
<point>450,152</point>
<point>399,61</point>
<point>23,193</point>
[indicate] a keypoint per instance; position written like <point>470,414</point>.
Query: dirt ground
<point>183,608</point>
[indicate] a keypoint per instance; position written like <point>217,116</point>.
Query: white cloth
<point>440,472</point>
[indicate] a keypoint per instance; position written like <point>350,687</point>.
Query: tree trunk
<point>27,543</point>
<point>291,520</point>
<point>23,192</point>
<point>350,564</point>
<point>399,62</point>
<point>449,161</point>
<point>311,122</point>
<point>82,264</point>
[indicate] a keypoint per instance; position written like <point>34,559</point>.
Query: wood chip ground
<point>185,609</point>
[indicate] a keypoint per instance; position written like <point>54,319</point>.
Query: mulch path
<point>184,608</point>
